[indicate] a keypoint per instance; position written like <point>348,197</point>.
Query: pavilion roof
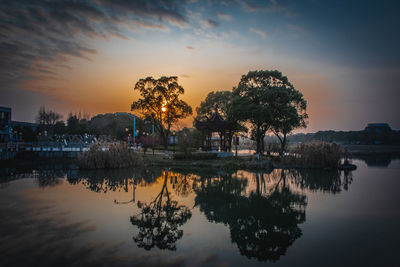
<point>214,124</point>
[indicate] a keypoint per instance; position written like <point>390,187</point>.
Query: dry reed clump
<point>318,155</point>
<point>108,156</point>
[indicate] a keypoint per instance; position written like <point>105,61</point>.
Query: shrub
<point>317,155</point>
<point>108,156</point>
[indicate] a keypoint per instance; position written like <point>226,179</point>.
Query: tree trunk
<point>258,141</point>
<point>230,136</point>
<point>165,141</point>
<point>283,144</point>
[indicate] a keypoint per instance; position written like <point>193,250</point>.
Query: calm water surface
<point>163,217</point>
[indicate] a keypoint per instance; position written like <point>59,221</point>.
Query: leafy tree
<point>115,125</point>
<point>76,125</point>
<point>252,103</point>
<point>222,102</point>
<point>219,99</point>
<point>289,113</point>
<point>160,100</point>
<point>269,101</point>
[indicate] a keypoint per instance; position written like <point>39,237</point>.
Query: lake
<point>66,217</point>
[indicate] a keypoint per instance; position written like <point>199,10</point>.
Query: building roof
<point>5,109</point>
<point>374,125</point>
<point>23,124</point>
<point>215,123</point>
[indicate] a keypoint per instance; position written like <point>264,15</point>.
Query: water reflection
<point>262,224</point>
<point>331,181</point>
<point>158,221</point>
<point>263,210</point>
<point>102,181</point>
<point>380,160</point>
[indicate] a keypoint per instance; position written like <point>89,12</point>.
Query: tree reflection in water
<point>262,210</point>
<point>103,181</point>
<point>263,225</point>
<point>332,181</point>
<point>159,220</point>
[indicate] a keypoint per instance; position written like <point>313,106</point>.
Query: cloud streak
<point>210,23</point>
<point>259,32</point>
<point>36,32</point>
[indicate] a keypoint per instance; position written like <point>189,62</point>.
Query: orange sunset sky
<point>87,56</point>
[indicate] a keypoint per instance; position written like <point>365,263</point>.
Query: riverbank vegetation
<point>110,156</point>
<point>314,155</point>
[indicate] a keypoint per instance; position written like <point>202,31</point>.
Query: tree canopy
<point>160,100</point>
<point>219,100</point>
<point>47,116</point>
<point>268,101</point>
<point>222,102</point>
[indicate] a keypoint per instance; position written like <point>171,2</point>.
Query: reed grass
<point>317,154</point>
<point>109,156</point>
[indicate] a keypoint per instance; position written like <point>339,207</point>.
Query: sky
<point>86,56</point>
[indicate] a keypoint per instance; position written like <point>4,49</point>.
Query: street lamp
<point>173,140</point>
<point>127,132</point>
<point>164,109</point>
<point>236,142</point>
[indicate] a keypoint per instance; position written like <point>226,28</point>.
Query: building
<point>5,125</point>
<point>10,131</point>
<point>378,134</point>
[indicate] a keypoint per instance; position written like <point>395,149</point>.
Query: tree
<point>160,100</point>
<point>75,125</point>
<point>219,99</point>
<point>188,140</point>
<point>59,127</point>
<point>252,103</point>
<point>159,220</point>
<point>47,117</point>
<point>269,101</point>
<point>289,113</point>
<point>222,102</point>
<point>115,125</point>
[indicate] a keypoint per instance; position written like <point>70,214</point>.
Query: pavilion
<point>215,124</point>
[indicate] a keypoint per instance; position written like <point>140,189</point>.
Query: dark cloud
<point>35,35</point>
<point>210,23</point>
<point>265,6</point>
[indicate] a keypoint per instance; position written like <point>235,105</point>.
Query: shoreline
<point>247,162</point>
